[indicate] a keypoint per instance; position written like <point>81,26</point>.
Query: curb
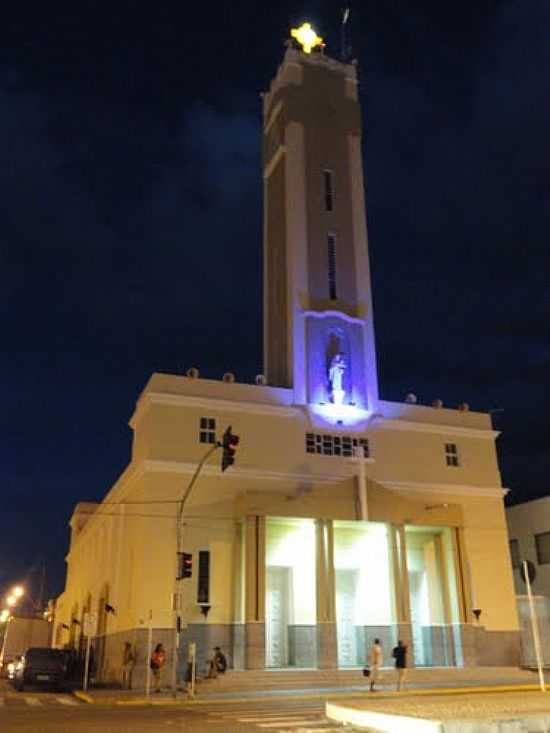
<point>83,696</point>
<point>413,692</point>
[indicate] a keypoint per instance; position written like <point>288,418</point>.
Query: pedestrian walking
<point>375,662</point>
<point>399,653</point>
<point>128,663</point>
<point>158,660</point>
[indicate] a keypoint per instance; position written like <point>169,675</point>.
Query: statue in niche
<point>335,376</point>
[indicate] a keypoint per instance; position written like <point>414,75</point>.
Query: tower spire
<point>318,320</point>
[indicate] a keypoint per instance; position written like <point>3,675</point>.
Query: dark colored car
<point>42,666</point>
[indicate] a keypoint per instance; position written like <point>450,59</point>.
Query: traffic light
<point>229,444</point>
<point>186,567</point>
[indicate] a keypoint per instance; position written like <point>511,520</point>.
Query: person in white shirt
<point>375,662</point>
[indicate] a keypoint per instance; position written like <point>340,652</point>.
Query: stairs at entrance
<point>292,679</point>
<point>282,679</point>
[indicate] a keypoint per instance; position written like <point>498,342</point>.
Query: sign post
<point>90,629</point>
<point>192,662</point>
<point>148,655</point>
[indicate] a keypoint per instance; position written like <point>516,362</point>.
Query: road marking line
<point>33,701</point>
<point>66,701</point>
<point>285,723</point>
<point>317,710</point>
<point>272,718</point>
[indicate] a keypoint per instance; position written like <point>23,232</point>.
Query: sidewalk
<point>420,682</point>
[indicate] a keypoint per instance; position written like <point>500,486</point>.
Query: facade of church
<point>345,517</point>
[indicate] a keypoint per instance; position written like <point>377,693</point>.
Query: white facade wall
<point>524,522</point>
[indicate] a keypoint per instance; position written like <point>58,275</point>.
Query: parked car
<point>41,666</point>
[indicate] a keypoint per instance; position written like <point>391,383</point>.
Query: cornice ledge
<point>418,487</point>
<point>215,403</point>
<point>334,313</point>
<point>252,474</point>
<point>438,429</point>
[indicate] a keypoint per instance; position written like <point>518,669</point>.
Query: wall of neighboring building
<point>524,522</point>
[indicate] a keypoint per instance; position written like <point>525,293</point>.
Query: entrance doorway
<point>346,589</point>
<point>277,616</point>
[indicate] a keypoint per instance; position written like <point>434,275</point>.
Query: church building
<point>344,517</point>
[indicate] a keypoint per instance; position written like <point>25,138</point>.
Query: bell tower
<point>318,316</point>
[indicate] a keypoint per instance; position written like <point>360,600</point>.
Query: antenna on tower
<point>345,48</point>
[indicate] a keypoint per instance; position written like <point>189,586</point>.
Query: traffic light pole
<point>179,549</point>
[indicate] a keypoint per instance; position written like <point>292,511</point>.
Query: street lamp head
<point>11,600</point>
<point>18,591</point>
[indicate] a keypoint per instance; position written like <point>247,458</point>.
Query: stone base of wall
<point>327,646</point>
<point>302,645</point>
<point>466,645</point>
<point>484,648</point>
<point>108,652</point>
<point>499,649</point>
<point>404,633</point>
<point>254,646</point>
<point>365,639</point>
<point>440,646</point>
<point>206,637</point>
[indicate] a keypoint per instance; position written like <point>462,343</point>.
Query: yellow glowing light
<point>18,591</point>
<point>306,37</point>
<point>11,600</point>
<point>4,615</point>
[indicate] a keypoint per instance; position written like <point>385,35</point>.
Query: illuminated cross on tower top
<point>306,37</point>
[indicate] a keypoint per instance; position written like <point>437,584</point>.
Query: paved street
<point>35,711</point>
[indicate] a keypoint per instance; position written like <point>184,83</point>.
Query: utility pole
<point>179,548</point>
<point>229,445</point>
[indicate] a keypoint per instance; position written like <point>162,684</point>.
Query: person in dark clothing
<point>220,660</point>
<point>399,653</point>
<point>218,663</point>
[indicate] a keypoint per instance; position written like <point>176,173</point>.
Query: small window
<point>542,544</point>
<point>515,554</point>
<point>364,443</point>
<point>335,445</point>
<point>331,247</point>
<point>329,191</point>
<point>451,454</point>
<point>203,585</point>
<point>207,433</point>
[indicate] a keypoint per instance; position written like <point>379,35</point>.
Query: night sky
<point>131,223</point>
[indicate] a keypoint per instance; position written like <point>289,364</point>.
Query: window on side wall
<point>328,190</point>
<point>331,254</point>
<point>207,432</point>
<point>451,454</point>
<point>515,554</point>
<point>542,545</point>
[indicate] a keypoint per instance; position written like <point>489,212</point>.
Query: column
<point>255,592</point>
<point>404,622</point>
<point>327,649</point>
<point>470,632</point>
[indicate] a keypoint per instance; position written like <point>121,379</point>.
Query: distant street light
<point>18,591</point>
<point>11,600</point>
